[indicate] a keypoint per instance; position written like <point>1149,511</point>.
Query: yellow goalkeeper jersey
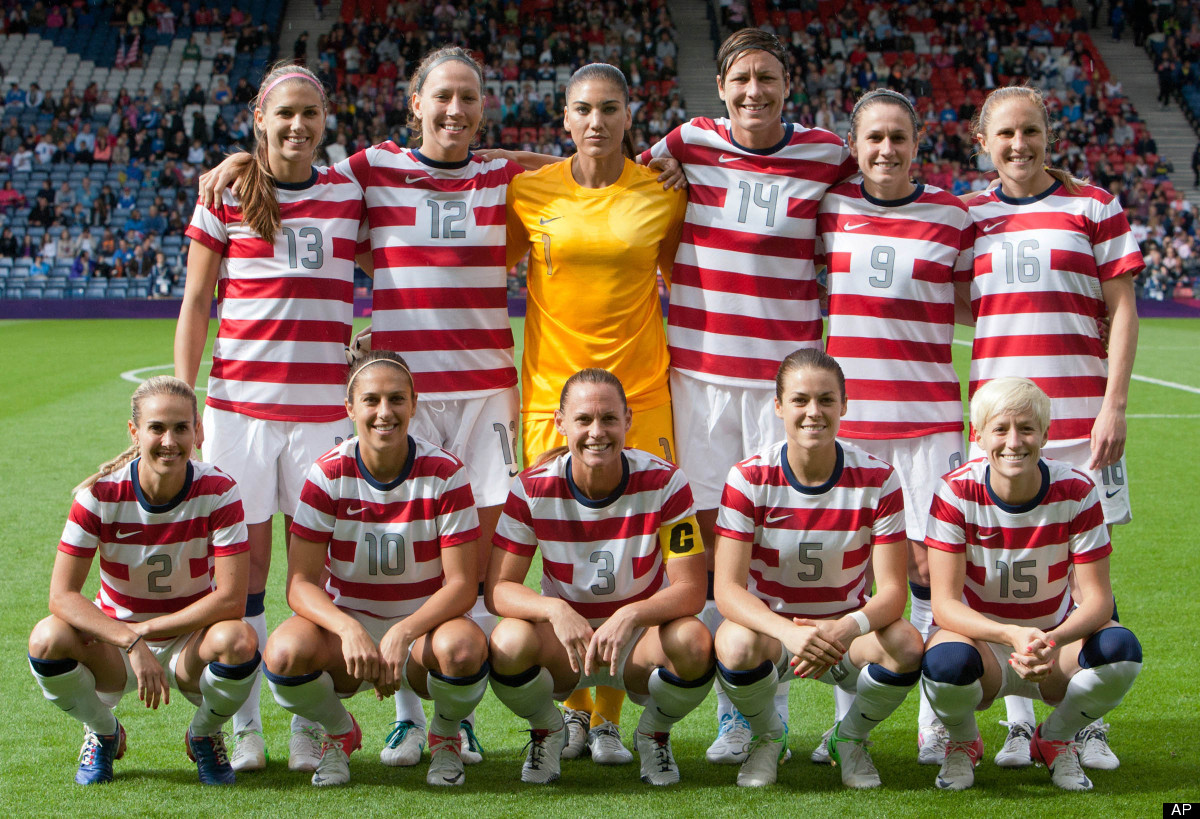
<point>593,296</point>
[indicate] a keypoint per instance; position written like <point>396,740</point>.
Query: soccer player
<point>622,576</point>
<point>744,287</point>
<point>899,259</point>
<point>1052,254</point>
<point>280,255</point>
<point>598,226</point>
<point>810,607</point>
<point>1005,532</point>
<point>381,570</point>
<point>173,557</point>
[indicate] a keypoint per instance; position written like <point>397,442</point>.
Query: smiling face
<point>381,404</point>
<point>753,90</point>
<point>293,122</point>
<point>594,420</point>
<point>811,406</point>
<point>1013,442</point>
<point>165,434</point>
<point>1016,138</point>
<point>597,116</point>
<point>885,146</point>
<point>449,108</point>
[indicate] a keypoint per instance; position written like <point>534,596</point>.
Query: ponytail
<point>107,468</point>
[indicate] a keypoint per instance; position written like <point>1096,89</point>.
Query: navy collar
<point>609,499</point>
<point>444,166</point>
<point>892,203</point>
<point>1027,200</point>
<point>838,464</point>
<point>298,186</point>
<point>788,129</point>
<point>373,482</point>
<point>158,509</point>
<point>1029,506</point>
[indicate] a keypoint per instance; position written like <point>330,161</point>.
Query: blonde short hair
<point>1012,394</point>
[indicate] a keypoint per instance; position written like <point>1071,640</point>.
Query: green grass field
<point>63,405</point>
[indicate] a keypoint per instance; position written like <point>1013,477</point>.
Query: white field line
<point>136,377</point>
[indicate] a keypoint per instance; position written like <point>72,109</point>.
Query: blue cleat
<point>211,758</point>
<point>97,755</point>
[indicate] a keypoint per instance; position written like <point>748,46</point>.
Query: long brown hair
<point>1012,92</point>
<point>260,207</point>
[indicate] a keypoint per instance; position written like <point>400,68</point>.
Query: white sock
<point>453,698</point>
<point>408,707</point>
<point>671,699</point>
<point>724,705</point>
<point>483,618</point>
<point>221,696</point>
<point>74,692</point>
<point>842,700</point>
<point>1091,694</point>
<point>782,690</point>
<point>1020,709</point>
<point>314,699</point>
<point>756,700</point>
<point>299,723</point>
<point>248,717</point>
<point>532,699</point>
<point>879,693</point>
<point>955,707</point>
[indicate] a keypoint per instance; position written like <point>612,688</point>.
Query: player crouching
<point>1004,533</point>
<point>393,520</point>
<point>613,526</point>
<point>808,606</point>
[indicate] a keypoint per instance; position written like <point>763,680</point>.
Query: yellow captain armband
<point>681,538</point>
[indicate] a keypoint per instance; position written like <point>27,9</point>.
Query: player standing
<point>899,258</point>
<point>622,575</point>
<point>392,520</point>
<point>811,607</point>
<point>281,257</point>
<point>1005,531</point>
<point>1052,254</point>
<point>173,558</point>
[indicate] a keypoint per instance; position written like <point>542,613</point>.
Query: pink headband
<point>293,76</point>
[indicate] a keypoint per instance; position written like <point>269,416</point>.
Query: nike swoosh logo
<point>1108,494</point>
<point>542,221</point>
<point>408,180</point>
<point>986,534</point>
<point>727,158</point>
<point>991,227</point>
<point>512,474</point>
<point>123,535</point>
<point>773,517</point>
<point>452,780</point>
<point>857,226</point>
<point>355,511</point>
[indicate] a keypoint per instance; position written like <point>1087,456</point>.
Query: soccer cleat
<point>334,767</point>
<point>958,767</point>
<point>1094,750</point>
<point>470,749</point>
<point>249,751</point>
<point>211,758</point>
<point>858,771</point>
<point>445,761</point>
<point>543,762</point>
<point>1062,758</point>
<point>404,745</point>
<point>1015,751</point>
<point>761,767</point>
<point>604,743</point>
<point>820,754</point>
<point>658,763</point>
<point>733,741</point>
<point>931,744</point>
<point>577,723</point>
<point>304,748</point>
<point>97,755</point>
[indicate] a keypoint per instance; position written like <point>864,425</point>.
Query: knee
<point>50,639</point>
<point>461,650</point>
<point>287,655</point>
<point>512,648</point>
<point>738,648</point>
<point>952,663</point>
<point>1110,645</point>
<point>905,646</point>
<point>689,646</point>
<point>232,641</point>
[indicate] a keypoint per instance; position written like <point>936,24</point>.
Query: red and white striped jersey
<point>438,235</point>
<point>600,555</point>
<point>155,559</point>
<point>1018,557</point>
<point>892,269</point>
<point>743,287</point>
<point>811,545</point>
<point>386,539</point>
<point>1036,294</point>
<point>285,307</point>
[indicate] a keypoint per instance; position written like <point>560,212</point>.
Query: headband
<point>445,58</point>
<point>391,361</point>
<point>295,75</point>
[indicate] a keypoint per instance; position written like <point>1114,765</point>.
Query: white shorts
<point>1111,482</point>
<point>167,652</point>
<point>1011,683</point>
<point>377,627</point>
<point>481,432</point>
<point>715,427</point>
<point>919,462</point>
<point>269,460</point>
<point>601,675</point>
<point>844,675</point>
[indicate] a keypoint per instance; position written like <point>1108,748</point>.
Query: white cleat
<point>1062,758</point>
<point>470,750</point>
<point>604,743</point>
<point>1094,750</point>
<point>858,771</point>
<point>1015,751</point>
<point>658,763</point>
<point>249,751</point>
<point>820,754</point>
<point>304,748</point>
<point>761,767</point>
<point>958,768</point>
<point>931,744</point>
<point>404,745</point>
<point>445,761</point>
<point>577,723</point>
<point>543,762</point>
<point>732,744</point>
<point>334,767</point>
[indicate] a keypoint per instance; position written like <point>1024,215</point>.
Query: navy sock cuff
<point>469,680</point>
<point>900,679</point>
<point>516,680</point>
<point>919,592</point>
<point>236,672</point>
<point>255,604</point>
<point>747,677</point>
<point>283,679</point>
<point>52,668</point>
<point>703,679</point>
